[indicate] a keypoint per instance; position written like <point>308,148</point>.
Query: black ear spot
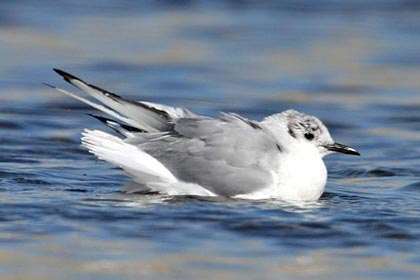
<point>291,133</point>
<point>309,136</point>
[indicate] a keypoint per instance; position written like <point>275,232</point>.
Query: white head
<point>306,131</point>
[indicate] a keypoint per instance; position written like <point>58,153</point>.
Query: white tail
<point>142,166</point>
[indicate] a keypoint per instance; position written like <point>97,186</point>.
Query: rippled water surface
<point>356,65</point>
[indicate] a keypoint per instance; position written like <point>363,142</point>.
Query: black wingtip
<point>48,85</point>
<point>66,76</point>
<point>108,122</point>
<point>102,119</point>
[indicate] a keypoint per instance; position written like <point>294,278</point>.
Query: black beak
<point>342,149</point>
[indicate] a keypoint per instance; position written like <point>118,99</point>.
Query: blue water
<point>355,65</point>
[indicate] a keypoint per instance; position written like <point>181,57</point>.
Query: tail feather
<point>142,166</point>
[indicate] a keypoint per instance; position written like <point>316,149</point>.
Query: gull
<point>173,151</point>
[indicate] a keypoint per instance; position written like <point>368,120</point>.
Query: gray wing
<point>229,156</point>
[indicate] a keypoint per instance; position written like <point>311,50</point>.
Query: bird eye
<point>309,135</point>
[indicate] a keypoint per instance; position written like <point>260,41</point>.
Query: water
<point>355,65</point>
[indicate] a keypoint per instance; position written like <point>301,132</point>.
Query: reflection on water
<point>354,64</point>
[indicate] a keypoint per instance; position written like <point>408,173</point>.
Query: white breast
<point>300,177</point>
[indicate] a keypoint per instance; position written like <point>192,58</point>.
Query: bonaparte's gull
<point>173,151</point>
